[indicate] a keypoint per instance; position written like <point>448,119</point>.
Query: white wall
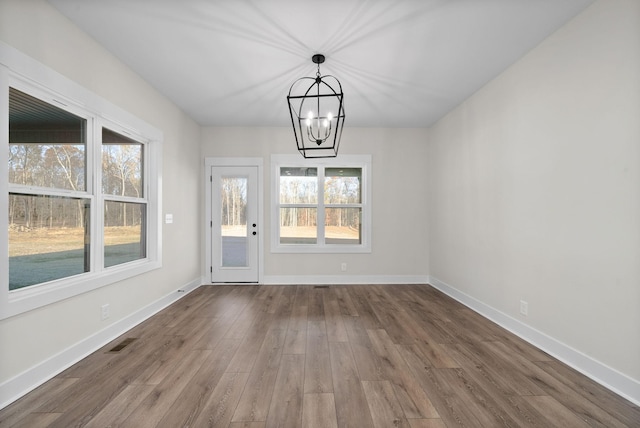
<point>37,338</point>
<point>535,190</point>
<point>399,244</point>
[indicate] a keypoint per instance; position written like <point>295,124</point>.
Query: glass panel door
<point>234,228</point>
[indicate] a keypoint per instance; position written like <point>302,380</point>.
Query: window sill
<point>315,249</point>
<point>36,296</point>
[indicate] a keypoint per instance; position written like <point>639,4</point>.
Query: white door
<point>234,224</point>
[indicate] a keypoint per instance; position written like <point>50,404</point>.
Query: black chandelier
<point>317,113</point>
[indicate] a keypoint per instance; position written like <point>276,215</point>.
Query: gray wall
<point>399,238</point>
<point>535,189</point>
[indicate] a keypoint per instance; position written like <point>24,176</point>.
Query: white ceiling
<point>401,63</point>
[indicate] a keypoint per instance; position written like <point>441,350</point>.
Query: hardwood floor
<point>303,356</point>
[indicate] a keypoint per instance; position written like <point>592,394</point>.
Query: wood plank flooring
<point>303,356</point>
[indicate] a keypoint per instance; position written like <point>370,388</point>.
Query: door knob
<point>255,233</point>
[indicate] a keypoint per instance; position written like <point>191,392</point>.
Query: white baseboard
<point>608,377</point>
<point>30,379</point>
<point>344,279</point>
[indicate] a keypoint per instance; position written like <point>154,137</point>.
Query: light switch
<point>168,218</point>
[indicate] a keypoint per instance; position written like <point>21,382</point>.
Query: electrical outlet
<point>524,307</point>
<point>343,267</point>
<point>104,314</point>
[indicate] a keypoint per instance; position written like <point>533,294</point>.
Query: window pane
<point>48,238</point>
<point>47,145</point>
<point>342,226</point>
<point>124,232</point>
<point>342,186</point>
<point>298,185</point>
<point>233,215</point>
<point>121,165</point>
<point>298,226</point>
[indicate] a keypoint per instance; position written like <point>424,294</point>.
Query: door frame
<point>210,162</point>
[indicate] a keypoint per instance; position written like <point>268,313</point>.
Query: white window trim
<point>358,161</point>
<point>20,71</point>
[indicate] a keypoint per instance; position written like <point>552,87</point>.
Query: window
<point>48,204</point>
<point>82,200</point>
<point>321,205</point>
<point>50,235</point>
<point>124,202</point>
